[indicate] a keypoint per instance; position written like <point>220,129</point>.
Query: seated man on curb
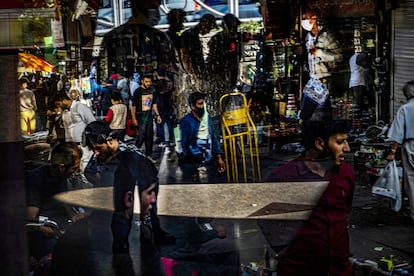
<point>121,166</point>
<point>193,148</point>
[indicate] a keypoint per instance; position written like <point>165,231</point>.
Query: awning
<point>34,63</point>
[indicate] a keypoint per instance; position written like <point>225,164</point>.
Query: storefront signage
<point>344,8</point>
<point>250,49</point>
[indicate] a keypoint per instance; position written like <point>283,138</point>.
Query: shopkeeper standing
<point>324,53</point>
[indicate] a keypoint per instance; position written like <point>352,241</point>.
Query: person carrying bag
<point>388,185</point>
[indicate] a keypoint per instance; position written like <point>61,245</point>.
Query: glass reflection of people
<point>320,246</point>
<point>324,53</point>
<point>116,164</point>
<point>194,55</point>
<point>46,218</point>
<point>28,107</point>
<point>225,51</point>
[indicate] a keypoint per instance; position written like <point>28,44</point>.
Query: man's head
<point>141,7</point>
<point>63,101</point>
<point>147,192</point>
<point>98,137</point>
<point>310,21</point>
<point>74,94</point>
<point>65,158</point>
<point>207,23</point>
<point>116,97</point>
<point>196,101</point>
<point>146,81</point>
<point>327,139</point>
<point>230,22</point>
<point>176,18</point>
<point>408,90</point>
<point>24,82</point>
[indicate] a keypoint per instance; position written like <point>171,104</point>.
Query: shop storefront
<point>402,54</point>
<point>358,26</point>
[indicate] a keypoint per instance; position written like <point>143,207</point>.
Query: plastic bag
<point>388,185</point>
<point>316,92</point>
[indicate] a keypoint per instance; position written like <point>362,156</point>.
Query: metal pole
<point>115,12</point>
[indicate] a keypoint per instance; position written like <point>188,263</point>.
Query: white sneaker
<point>163,145</point>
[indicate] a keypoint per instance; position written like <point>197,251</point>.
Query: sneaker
<point>163,145</point>
<point>128,138</point>
<point>150,159</point>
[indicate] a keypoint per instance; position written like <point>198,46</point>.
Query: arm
<point>134,115</point>
<point>86,113</point>
<point>185,128</point>
<point>134,108</point>
<point>215,144</point>
<point>109,116</point>
<point>34,102</point>
<point>393,150</point>
<point>396,133</point>
<point>157,113</point>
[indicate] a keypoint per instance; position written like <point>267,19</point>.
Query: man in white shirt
<point>78,115</point>
<point>358,81</point>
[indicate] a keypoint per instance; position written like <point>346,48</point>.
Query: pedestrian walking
<point>401,133</point>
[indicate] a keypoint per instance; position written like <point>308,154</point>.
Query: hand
<point>221,232</point>
<point>313,50</point>
<point>159,120</point>
<point>221,167</point>
<point>134,122</point>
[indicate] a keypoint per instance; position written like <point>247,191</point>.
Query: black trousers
<point>146,135</point>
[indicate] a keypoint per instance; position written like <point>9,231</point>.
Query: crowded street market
<point>207,137</point>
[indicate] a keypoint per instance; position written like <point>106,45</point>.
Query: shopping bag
<point>316,92</point>
<point>388,185</point>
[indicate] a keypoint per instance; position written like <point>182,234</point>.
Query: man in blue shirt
<point>192,148</point>
<point>401,133</point>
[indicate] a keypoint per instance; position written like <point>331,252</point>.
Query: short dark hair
<point>24,80</point>
<point>408,90</point>
<point>208,20</point>
<point>194,97</point>
<point>313,129</point>
<point>116,96</point>
<point>61,96</point>
<point>147,76</point>
<point>96,132</point>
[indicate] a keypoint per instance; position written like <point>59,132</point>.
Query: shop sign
<point>344,8</point>
<point>250,49</point>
